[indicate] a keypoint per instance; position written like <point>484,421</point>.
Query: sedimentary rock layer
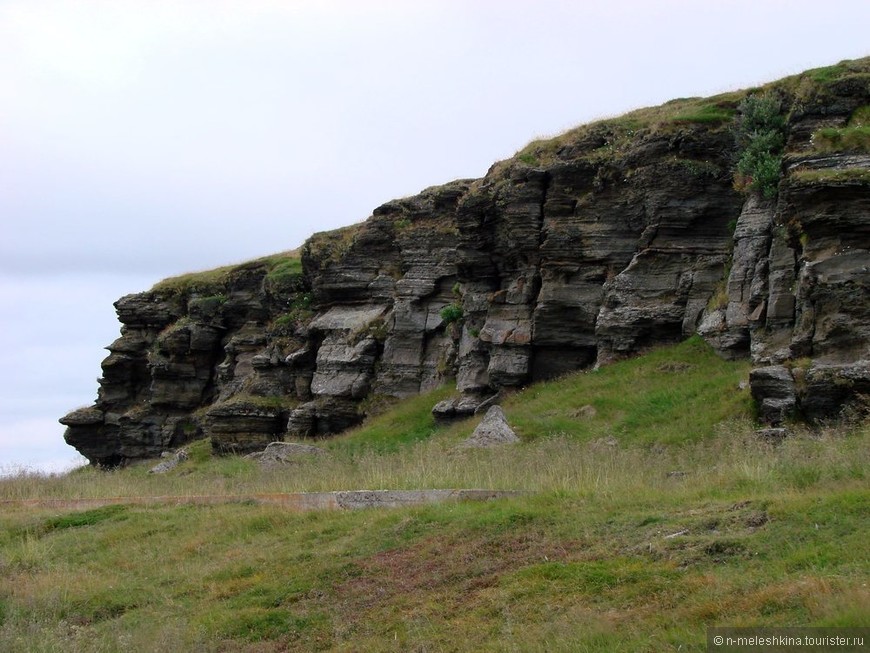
<point>580,250</point>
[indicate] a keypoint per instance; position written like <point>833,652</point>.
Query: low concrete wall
<point>299,501</point>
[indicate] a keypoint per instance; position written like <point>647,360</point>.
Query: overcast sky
<point>141,139</point>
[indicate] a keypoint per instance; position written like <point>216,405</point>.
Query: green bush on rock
<point>451,313</point>
<point>760,136</point>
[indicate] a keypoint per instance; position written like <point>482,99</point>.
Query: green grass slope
<point>652,512</point>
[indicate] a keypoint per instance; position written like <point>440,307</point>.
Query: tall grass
<point>733,457</point>
<point>614,548</point>
<point>651,510</point>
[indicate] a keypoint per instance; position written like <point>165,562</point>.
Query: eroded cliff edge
<point>592,246</point>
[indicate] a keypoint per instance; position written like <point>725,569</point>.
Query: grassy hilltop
<point>652,510</point>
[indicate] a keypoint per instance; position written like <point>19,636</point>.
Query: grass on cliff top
<point>330,246</point>
<point>650,516</point>
<point>278,267</point>
<point>614,135</point>
<point>828,74</point>
<point>713,112</point>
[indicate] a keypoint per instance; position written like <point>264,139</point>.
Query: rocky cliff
<point>580,250</point>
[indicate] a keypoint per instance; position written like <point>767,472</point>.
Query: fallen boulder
<point>492,431</point>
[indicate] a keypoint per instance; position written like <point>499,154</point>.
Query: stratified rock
<point>594,246</point>
<point>88,433</point>
<point>463,406</point>
<point>727,326</point>
<point>493,431</point>
<point>830,388</point>
<point>773,389</point>
<point>242,427</point>
<point>149,310</point>
<point>302,421</point>
<point>87,416</point>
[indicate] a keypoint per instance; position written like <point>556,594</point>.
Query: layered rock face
<point>797,293</point>
<point>579,251</point>
<point>583,261</point>
<point>193,357</point>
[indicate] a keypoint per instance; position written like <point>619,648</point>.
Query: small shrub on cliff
<point>760,136</point>
<point>451,313</point>
<point>759,114</point>
<point>719,299</point>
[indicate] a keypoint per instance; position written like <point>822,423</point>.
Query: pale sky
<point>141,139</point>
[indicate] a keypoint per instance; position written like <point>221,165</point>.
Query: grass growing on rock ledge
<point>653,512</point>
<point>828,177</point>
<point>278,267</point>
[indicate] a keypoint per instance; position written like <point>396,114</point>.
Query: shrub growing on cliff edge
<point>451,313</point>
<point>760,136</point>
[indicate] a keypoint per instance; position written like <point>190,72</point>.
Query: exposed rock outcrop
<point>187,348</point>
<point>773,389</point>
<point>580,250</point>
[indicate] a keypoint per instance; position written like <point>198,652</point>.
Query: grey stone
<point>347,318</point>
<point>243,426</point>
<point>774,391</point>
<point>445,409</point>
<point>302,420</point>
<point>281,453</point>
<point>463,406</point>
<point>170,462</point>
<point>492,431</point>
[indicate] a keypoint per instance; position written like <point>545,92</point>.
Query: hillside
<point>648,515</point>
